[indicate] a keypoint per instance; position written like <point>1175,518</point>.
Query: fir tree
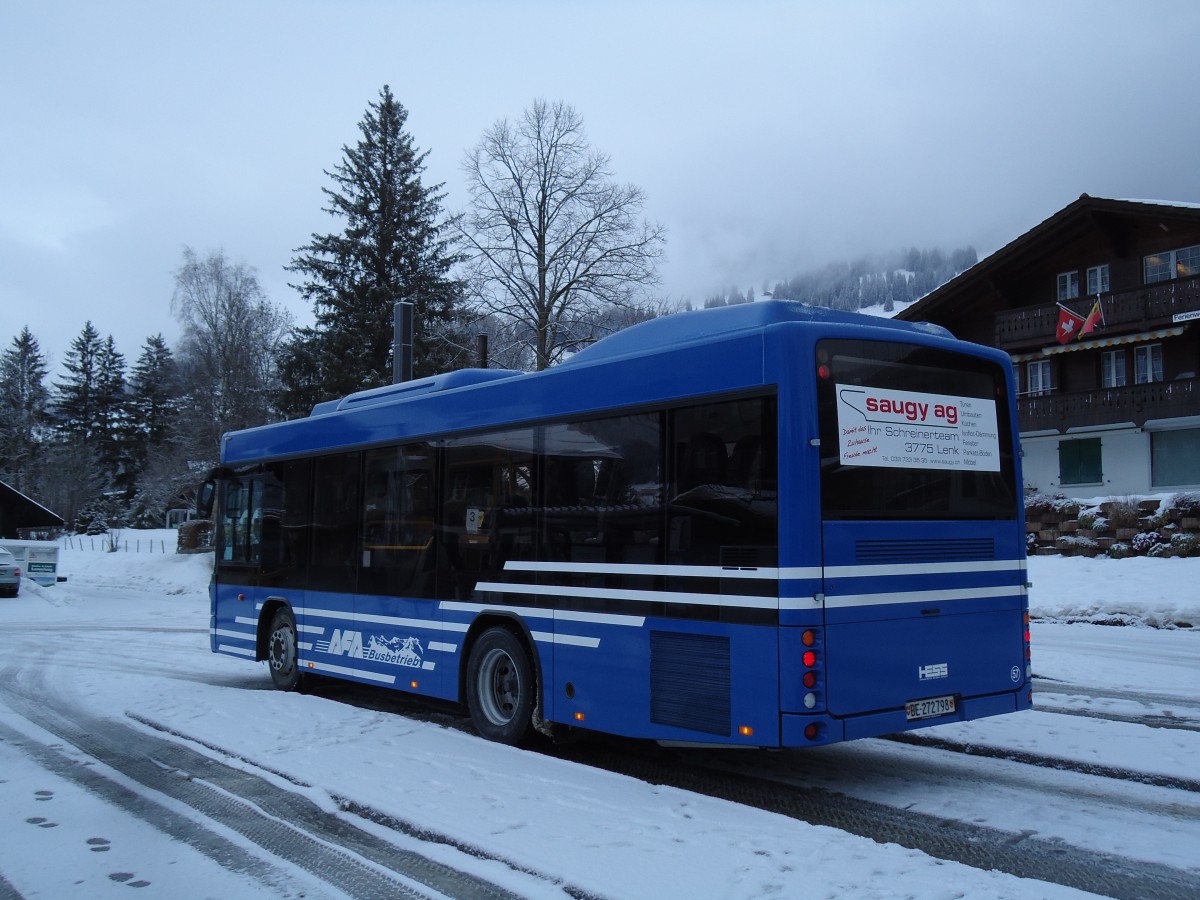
<point>24,402</point>
<point>75,403</point>
<point>392,249</point>
<point>152,402</point>
<point>112,427</point>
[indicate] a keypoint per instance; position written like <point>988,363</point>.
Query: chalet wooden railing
<point>1136,404</point>
<point>1137,310</point>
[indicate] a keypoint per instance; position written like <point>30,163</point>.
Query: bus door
<point>923,560</point>
<point>398,622</point>
<point>248,548</point>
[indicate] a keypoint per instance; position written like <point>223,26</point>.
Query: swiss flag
<point>1068,324</point>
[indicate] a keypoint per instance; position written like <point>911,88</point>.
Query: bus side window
<point>488,514</point>
<point>723,486</point>
<point>397,521</point>
<point>234,537</point>
<point>334,558</point>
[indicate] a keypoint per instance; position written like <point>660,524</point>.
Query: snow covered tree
<point>24,415</point>
<point>79,474</point>
<point>75,401</point>
<point>228,354</point>
<point>552,239</point>
<point>153,403</point>
<point>393,248</point>
<point>112,424</point>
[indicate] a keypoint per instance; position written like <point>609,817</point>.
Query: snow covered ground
<point>126,637</point>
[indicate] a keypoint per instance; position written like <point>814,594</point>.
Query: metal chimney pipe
<point>402,341</point>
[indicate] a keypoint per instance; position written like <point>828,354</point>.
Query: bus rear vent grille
<point>689,681</point>
<point>943,550</point>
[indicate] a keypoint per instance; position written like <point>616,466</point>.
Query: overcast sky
<point>770,138</point>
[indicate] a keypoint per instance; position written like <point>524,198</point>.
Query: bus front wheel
<point>281,651</point>
<point>500,686</point>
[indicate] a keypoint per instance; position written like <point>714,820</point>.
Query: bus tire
<point>500,689</point>
<point>281,651</point>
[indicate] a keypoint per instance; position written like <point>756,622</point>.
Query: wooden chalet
<point>1099,308</point>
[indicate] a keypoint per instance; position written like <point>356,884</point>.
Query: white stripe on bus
<point>345,670</point>
<point>538,613</point>
<point>429,624</point>
<point>885,570</point>
<point>558,590</point>
<point>236,635</point>
<point>878,599</point>
<point>573,640</point>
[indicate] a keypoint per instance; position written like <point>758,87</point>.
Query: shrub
<point>1090,519</point>
<point>1038,504</point>
<point>1067,508</point>
<point>1124,513</point>
<point>1145,541</point>
<point>1188,504</point>
<point>1185,544</point>
<point>1120,550</point>
<point>1073,545</point>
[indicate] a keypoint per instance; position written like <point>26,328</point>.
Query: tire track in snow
<point>283,823</point>
<point>1022,854</point>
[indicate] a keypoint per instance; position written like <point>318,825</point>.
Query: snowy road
<point>132,757</point>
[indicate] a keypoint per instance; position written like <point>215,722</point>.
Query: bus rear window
<point>913,433</point>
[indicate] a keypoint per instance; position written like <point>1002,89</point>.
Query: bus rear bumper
<point>797,730</point>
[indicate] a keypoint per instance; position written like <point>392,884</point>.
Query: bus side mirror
<point>205,495</point>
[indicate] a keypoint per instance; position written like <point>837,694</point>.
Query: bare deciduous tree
<point>554,242</point>
<point>228,355</point>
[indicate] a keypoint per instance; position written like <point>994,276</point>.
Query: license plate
<point>928,709</point>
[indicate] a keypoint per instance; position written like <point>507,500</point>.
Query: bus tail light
<point>809,658</point>
<point>812,730</point>
<point>746,730</point>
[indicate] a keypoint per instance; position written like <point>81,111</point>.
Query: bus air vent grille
<point>921,550</point>
<point>689,681</point>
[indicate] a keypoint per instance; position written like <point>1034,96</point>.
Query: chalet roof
<point>1083,215</point>
<point>18,511</point>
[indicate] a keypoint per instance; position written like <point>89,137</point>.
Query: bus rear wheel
<point>281,651</point>
<point>500,691</point>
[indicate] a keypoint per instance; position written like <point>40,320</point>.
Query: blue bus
<point>767,525</point>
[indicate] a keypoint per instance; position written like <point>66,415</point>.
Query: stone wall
<point>1117,528</point>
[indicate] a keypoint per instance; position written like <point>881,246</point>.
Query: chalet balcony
<point>1134,404</point>
<point>1152,306</point>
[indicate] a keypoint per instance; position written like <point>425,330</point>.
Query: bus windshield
<point>911,432</point>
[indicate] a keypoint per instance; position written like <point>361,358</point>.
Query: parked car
<point>10,574</point>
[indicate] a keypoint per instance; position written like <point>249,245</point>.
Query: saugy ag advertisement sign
<point>906,429</point>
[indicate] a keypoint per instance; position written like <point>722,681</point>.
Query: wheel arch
<point>520,630</point>
<point>265,616</point>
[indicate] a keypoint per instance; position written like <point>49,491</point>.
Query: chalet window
<point>1097,280</point>
<point>1147,363</point>
<point>1187,262</point>
<point>1068,285</point>
<point>1037,376</point>
<point>1079,462</point>
<point>1112,368</point>
<point>1175,457</point>
<point>1181,263</point>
